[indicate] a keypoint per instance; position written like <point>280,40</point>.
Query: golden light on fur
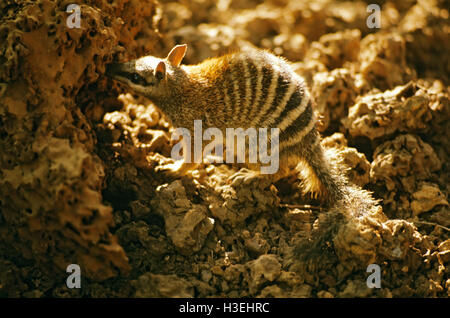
<point>248,89</point>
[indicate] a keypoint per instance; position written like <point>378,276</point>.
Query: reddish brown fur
<point>245,89</point>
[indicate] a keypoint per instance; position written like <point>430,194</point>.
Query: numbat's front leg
<point>176,169</point>
<point>244,177</point>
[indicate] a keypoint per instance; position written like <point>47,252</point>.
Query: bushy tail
<point>345,201</point>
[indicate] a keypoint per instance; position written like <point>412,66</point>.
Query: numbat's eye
<point>137,79</point>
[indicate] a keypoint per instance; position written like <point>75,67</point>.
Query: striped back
<point>260,90</point>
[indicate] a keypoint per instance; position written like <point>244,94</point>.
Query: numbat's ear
<point>160,71</point>
<point>176,54</point>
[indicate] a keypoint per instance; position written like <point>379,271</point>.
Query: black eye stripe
<point>135,78</point>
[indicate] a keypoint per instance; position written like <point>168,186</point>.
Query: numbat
<point>248,89</point>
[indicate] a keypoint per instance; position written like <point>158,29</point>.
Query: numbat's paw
<point>174,170</point>
<point>244,177</point>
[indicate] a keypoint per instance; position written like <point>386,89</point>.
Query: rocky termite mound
<point>81,178</point>
<point>51,179</point>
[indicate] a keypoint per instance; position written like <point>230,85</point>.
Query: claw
<point>174,170</point>
<point>243,177</point>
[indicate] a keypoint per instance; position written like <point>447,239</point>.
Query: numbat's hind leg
<point>319,178</point>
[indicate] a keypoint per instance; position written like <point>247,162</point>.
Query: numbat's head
<point>148,75</point>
